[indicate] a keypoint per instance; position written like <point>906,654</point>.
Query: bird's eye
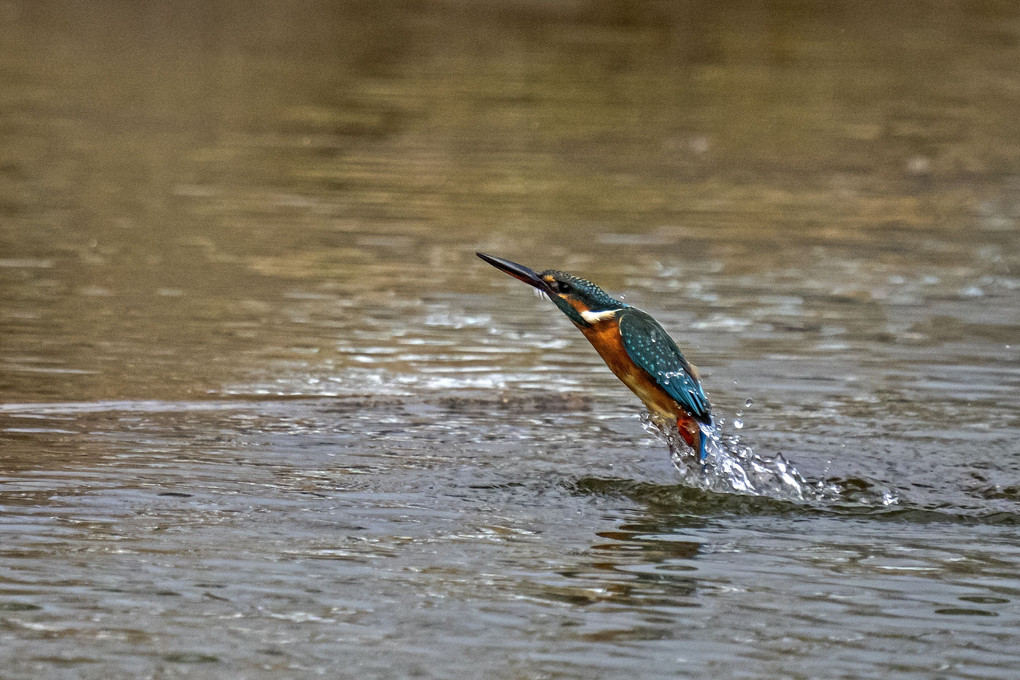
<point>563,287</point>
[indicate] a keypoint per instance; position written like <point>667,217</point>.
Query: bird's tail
<point>704,432</point>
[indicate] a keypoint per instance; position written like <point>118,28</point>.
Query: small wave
<point>856,501</point>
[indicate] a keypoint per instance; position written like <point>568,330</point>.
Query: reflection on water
<point>263,412</point>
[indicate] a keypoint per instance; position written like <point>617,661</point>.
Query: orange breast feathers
<point>605,338</point>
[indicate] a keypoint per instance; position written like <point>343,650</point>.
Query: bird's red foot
<point>690,432</point>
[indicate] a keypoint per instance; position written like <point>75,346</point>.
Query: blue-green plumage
<point>595,299</point>
<point>651,348</point>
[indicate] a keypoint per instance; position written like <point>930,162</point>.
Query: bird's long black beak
<point>518,271</point>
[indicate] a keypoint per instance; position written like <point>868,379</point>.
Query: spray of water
<point>730,466</point>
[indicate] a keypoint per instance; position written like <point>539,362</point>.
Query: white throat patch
<point>595,317</point>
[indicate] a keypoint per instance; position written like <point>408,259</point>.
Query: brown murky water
<point>264,414</point>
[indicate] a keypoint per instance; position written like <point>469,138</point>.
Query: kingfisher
<point>633,344</point>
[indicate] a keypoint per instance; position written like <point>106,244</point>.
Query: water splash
<point>730,466</point>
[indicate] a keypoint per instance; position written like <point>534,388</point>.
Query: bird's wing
<point>654,351</point>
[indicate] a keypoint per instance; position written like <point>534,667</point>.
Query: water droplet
<point>749,401</point>
<point>738,423</point>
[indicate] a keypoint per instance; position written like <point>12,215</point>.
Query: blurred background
<point>251,370</point>
<point>194,194</point>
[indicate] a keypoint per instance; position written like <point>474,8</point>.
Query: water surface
<point>264,414</point>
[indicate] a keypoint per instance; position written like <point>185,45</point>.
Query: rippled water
<point>264,414</point>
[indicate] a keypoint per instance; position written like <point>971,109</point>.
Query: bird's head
<point>581,300</point>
